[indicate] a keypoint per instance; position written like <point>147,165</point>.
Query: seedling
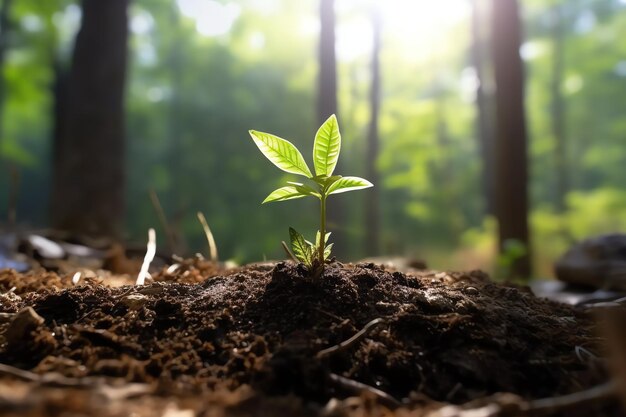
<point>288,158</point>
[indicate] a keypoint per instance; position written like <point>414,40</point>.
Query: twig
<point>158,208</point>
<point>110,391</point>
<point>597,393</point>
<point>332,316</point>
<point>359,388</point>
<point>54,379</point>
<point>150,252</point>
<point>346,344</point>
<point>125,293</point>
<point>87,314</point>
<point>288,252</point>
<point>209,237</point>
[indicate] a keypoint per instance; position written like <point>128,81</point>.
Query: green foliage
<point>326,147</point>
<point>189,95</point>
<point>281,153</point>
<point>286,156</point>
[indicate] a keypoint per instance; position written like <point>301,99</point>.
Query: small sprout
<point>288,158</point>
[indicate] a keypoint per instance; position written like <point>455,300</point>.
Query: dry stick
<point>346,344</point>
<point>158,208</point>
<point>359,388</point>
<point>58,380</point>
<point>50,379</point>
<point>332,316</point>
<point>288,252</point>
<point>150,252</point>
<point>209,237</point>
<point>614,332</point>
<point>597,393</point>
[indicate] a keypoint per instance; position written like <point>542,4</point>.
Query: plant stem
<point>320,249</point>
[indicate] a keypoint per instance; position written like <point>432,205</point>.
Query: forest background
<point>415,97</point>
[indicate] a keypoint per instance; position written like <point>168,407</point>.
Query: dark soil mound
<point>450,337</point>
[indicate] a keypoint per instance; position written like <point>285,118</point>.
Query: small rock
<point>22,324</point>
<point>598,262</point>
<point>8,298</point>
<point>134,301</point>
<point>471,290</point>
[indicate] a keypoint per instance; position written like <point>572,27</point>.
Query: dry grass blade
<point>209,237</point>
<point>288,252</point>
<point>150,252</point>
<point>169,235</point>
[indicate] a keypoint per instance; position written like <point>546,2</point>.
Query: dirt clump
<point>440,337</point>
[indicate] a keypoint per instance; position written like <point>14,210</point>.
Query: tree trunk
<point>327,100</point>
<point>558,109</point>
<point>511,167</point>
<point>327,105</point>
<point>372,211</point>
<point>89,183</point>
<point>484,122</point>
<point>177,201</point>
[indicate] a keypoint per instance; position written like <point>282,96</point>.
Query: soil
<point>255,341</point>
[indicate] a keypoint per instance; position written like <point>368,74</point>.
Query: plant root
<point>346,344</point>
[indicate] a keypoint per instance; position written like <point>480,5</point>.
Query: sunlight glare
<point>212,18</point>
<point>416,24</point>
<point>354,38</point>
<point>142,23</point>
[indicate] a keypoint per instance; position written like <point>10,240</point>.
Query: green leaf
<point>305,189</point>
<point>348,184</point>
<point>327,251</point>
<point>281,153</point>
<point>317,238</point>
<point>326,147</point>
<point>300,247</point>
<point>284,193</point>
<point>325,181</point>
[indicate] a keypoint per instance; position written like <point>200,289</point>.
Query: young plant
<point>287,157</point>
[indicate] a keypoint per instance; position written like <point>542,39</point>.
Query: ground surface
<point>255,341</point>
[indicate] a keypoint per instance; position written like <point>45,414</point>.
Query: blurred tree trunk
<point>511,165</point>
<point>484,124</point>
<point>372,208</point>
<point>89,177</point>
<point>175,64</point>
<point>327,105</point>
<point>177,200</point>
<point>5,10</point>
<point>327,100</point>
<point>558,108</point>
<point>12,172</point>
<point>59,137</point>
